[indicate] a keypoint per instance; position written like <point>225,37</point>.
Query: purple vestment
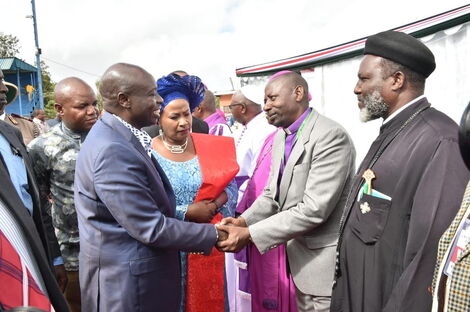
<point>267,279</point>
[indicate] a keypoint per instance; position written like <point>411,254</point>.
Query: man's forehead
<point>276,84</point>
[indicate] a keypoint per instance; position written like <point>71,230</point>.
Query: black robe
<point>387,255</point>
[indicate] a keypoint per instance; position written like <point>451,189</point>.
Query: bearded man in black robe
<point>407,189</point>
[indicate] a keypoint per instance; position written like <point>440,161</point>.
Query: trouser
<point>309,303</point>
<point>72,291</point>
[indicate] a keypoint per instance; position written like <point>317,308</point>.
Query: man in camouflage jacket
<point>54,155</point>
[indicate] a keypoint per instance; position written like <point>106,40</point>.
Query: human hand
<point>61,276</point>
<point>221,199</point>
<point>222,235</point>
<point>238,237</point>
<point>240,221</point>
<point>201,212</point>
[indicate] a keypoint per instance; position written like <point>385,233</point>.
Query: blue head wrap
<point>174,87</point>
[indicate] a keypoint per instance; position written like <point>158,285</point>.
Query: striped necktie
<point>17,286</point>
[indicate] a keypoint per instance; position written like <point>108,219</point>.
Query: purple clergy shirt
<point>213,120</point>
<point>291,132</point>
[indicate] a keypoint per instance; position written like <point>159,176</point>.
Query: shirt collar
<point>398,111</point>
<point>2,116</point>
<point>294,127</point>
<point>78,136</point>
<point>143,137</point>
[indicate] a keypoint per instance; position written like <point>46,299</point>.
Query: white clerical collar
<point>398,111</point>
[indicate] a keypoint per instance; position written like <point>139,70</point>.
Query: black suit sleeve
<point>39,202</point>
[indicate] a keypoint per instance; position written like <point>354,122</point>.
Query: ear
<point>398,81</point>
<point>243,108</point>
<point>59,109</point>
<point>123,100</point>
<point>299,92</point>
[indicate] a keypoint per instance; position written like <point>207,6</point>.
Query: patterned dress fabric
<point>185,178</point>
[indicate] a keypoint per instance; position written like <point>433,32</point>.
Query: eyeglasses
<point>233,105</point>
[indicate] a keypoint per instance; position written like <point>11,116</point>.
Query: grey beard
<point>374,107</point>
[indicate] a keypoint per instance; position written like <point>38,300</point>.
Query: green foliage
<point>49,109</point>
<point>48,90</point>
<point>9,45</point>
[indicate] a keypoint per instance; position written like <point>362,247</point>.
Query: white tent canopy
<point>448,87</point>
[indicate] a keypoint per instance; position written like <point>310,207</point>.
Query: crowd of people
<point>157,204</point>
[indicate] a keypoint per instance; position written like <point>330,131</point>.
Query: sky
<point>208,38</point>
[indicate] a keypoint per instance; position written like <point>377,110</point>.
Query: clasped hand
<point>233,234</point>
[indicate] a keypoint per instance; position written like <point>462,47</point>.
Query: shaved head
<point>292,80</point>
<point>120,78</point>
<point>76,104</point>
<point>130,92</point>
<point>64,88</point>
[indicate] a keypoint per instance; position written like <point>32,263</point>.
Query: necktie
<point>17,286</point>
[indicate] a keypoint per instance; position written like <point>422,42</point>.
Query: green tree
<point>48,91</point>
<point>9,45</point>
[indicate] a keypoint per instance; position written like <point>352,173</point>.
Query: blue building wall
<point>22,104</point>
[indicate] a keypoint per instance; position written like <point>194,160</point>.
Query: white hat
<point>254,93</point>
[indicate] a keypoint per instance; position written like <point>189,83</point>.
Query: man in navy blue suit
<point>129,238</point>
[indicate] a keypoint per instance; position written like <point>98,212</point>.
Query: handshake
<point>233,234</point>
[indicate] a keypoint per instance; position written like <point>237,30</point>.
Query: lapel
<point>114,123</point>
<point>297,152</point>
<point>277,158</point>
<point>14,141</point>
<point>14,203</point>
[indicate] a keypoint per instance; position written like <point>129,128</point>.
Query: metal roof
<point>13,64</point>
<point>417,29</point>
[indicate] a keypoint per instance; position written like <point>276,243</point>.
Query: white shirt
<point>248,142</point>
<point>398,111</point>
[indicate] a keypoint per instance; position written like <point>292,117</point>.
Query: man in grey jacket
<point>312,164</point>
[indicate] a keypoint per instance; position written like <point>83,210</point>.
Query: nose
<point>92,110</point>
<point>159,100</point>
<point>267,106</point>
<point>357,88</point>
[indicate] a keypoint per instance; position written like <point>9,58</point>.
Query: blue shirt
<point>19,177</point>
<point>17,170</point>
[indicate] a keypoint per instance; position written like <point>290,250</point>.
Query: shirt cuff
<point>58,261</point>
<point>181,212</point>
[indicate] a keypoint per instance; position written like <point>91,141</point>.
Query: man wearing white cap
<point>246,108</point>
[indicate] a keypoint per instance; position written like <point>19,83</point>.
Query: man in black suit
<point>19,199</point>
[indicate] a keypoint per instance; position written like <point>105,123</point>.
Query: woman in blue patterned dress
<point>194,170</point>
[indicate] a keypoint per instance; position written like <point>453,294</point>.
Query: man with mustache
<point>301,206</point>
<point>407,189</point>
<point>54,155</point>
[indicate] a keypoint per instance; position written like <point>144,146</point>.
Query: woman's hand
<point>221,200</point>
<point>201,212</point>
